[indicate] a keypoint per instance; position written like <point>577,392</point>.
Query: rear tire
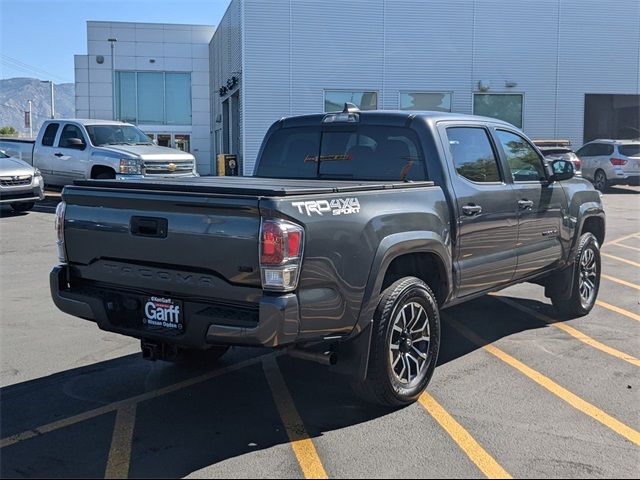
<point>600,181</point>
<point>404,346</point>
<point>586,280</point>
<point>22,207</point>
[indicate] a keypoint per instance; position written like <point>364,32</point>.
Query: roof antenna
<point>350,108</point>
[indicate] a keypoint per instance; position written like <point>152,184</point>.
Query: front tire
<point>404,346</point>
<point>22,207</point>
<point>586,280</point>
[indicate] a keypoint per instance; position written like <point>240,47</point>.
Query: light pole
<point>53,105</point>
<point>113,41</point>
<point>30,121</point>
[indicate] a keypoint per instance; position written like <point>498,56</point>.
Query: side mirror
<point>75,143</point>
<point>561,170</point>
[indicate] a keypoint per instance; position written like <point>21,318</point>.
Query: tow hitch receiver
<point>158,351</point>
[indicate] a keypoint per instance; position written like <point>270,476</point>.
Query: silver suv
<point>611,162</point>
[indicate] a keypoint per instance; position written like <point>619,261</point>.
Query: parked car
<point>354,233</point>
<point>21,185</point>
<point>69,150</point>
<point>611,162</point>
<point>564,153</point>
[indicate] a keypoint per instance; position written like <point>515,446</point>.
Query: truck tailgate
<point>149,239</point>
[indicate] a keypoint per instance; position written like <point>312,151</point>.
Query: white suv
<point>611,162</point>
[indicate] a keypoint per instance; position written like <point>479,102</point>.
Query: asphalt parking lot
<point>517,393</point>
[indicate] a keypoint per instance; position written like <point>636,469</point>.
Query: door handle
<point>471,210</point>
<point>59,154</point>
<point>525,204</point>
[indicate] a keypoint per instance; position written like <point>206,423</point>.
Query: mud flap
<point>353,356</point>
<point>560,283</point>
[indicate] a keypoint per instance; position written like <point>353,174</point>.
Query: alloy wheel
<point>588,277</point>
<point>409,343</point>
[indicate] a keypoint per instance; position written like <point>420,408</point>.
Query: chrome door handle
<point>525,204</point>
<point>471,210</point>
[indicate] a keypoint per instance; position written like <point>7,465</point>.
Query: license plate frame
<point>163,314</point>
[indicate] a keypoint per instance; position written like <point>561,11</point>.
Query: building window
<point>153,98</point>
<point>434,101</point>
<point>611,116</point>
<point>334,100</point>
<point>503,106</point>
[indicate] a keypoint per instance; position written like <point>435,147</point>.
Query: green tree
<point>8,132</point>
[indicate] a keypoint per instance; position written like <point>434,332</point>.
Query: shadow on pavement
<point>202,424</point>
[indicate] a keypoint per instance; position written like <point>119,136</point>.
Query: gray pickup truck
<point>78,149</point>
<point>356,229</point>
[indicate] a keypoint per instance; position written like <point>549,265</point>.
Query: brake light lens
<point>578,163</point>
<point>59,227</point>
<point>281,244</point>
<point>618,162</point>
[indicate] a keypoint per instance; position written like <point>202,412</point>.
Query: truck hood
<point>10,167</point>
<point>149,152</point>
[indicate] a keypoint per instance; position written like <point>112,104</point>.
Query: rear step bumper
<point>278,319</point>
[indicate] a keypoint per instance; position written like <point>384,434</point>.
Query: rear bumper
<point>277,319</point>
<point>620,177</point>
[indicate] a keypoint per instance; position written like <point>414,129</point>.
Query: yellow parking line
<point>81,417</point>
<point>619,310</point>
<point>627,246</point>
<point>624,260</point>
<point>121,442</point>
<point>478,455</point>
<point>577,334</point>
<point>622,239</point>
<point>302,445</point>
<point>545,382</point>
<point>620,281</point>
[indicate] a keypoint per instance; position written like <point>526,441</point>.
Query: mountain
<point>15,94</point>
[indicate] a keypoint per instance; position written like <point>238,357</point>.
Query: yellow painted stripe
<point>624,260</point>
<point>620,281</point>
<point>622,239</point>
<point>478,455</point>
<point>65,422</point>
<point>545,382</point>
<point>575,333</point>
<point>302,445</point>
<point>619,310</point>
<point>121,442</point>
<point>627,246</point>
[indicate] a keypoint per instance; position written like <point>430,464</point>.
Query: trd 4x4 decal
<point>337,206</point>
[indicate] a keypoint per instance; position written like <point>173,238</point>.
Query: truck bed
<point>251,186</point>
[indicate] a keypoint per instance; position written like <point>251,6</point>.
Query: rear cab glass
<point>364,152</point>
<point>50,134</point>
<point>632,150</point>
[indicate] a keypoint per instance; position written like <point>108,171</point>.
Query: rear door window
<point>473,155</point>
<point>49,135</point>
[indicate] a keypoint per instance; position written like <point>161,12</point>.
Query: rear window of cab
<point>368,153</point>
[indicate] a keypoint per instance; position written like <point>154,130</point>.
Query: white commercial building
<point>559,69</point>
<point>160,78</point>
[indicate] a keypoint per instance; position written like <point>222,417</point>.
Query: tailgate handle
<point>149,227</point>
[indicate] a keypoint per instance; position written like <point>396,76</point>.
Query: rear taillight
<point>59,226</point>
<point>578,163</point>
<point>618,162</point>
<point>281,244</point>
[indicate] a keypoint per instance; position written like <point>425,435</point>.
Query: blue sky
<point>38,38</point>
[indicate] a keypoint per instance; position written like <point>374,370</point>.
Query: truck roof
<point>391,117</point>
<point>88,121</point>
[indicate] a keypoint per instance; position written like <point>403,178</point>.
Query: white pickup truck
<point>68,150</point>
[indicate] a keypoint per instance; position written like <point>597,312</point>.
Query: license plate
<point>163,314</point>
